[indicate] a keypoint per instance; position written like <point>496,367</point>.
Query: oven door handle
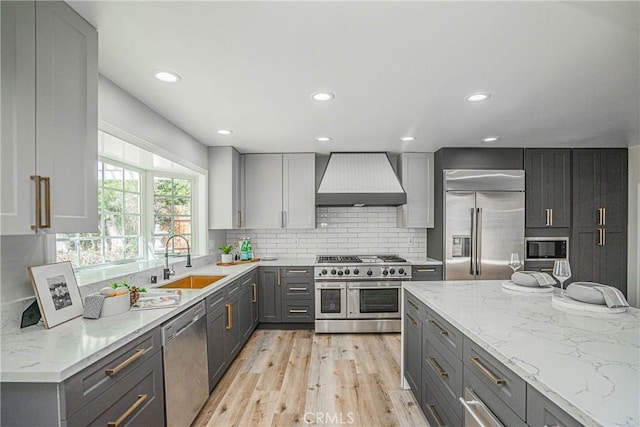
<point>374,285</point>
<point>331,285</point>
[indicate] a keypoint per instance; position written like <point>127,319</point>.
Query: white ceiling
<point>560,73</point>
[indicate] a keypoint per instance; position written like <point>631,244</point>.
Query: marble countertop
<point>587,363</point>
<point>37,354</point>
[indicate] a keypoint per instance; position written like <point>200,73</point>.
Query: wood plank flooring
<point>298,378</point>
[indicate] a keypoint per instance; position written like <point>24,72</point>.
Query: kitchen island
<point>587,364</point>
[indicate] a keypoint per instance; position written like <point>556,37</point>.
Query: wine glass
<point>514,262</point>
<point>561,271</point>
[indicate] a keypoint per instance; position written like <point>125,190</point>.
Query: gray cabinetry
<point>414,311</point>
<point>286,295</point>
<point>426,272</point>
<point>548,187</point>
<point>599,234</point>
<point>216,327</point>
<point>126,385</point>
<point>232,334</point>
<point>542,412</point>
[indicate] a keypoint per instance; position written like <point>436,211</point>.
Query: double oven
<point>356,294</point>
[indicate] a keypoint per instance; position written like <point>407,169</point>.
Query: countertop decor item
<point>227,256</point>
<point>566,302</point>
<point>225,264</point>
<point>511,286</point>
<point>57,292</point>
<point>134,291</point>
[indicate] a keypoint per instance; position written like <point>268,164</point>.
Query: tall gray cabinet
<point>548,187</point>
<point>600,203</point>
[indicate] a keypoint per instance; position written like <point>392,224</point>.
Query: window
<point>123,213</point>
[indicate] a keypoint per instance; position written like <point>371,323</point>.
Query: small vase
<point>227,258</point>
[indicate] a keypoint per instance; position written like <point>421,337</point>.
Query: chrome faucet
<point>167,272</point>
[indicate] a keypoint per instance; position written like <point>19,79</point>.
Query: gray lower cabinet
<point>216,328</point>
<point>426,272</point>
<point>286,295</point>
<point>125,386</point>
<point>413,344</point>
<point>440,363</point>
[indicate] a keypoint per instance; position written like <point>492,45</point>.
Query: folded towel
<point>613,298</point>
<point>93,306</point>
<point>532,279</point>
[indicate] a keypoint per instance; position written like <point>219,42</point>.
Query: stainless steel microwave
<point>546,248</point>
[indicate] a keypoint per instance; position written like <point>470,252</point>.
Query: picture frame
<point>57,292</point>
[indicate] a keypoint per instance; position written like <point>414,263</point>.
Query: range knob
<point>401,271</point>
<point>385,272</point>
<point>392,271</point>
<point>346,271</point>
<point>339,272</point>
<point>333,272</point>
<point>369,272</point>
<point>324,272</point>
<point>356,271</point>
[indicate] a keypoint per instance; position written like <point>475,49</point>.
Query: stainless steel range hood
<point>359,179</point>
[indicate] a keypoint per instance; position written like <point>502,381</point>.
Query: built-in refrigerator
<point>483,223</point>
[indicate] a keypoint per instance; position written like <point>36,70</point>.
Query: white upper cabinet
<point>226,188</point>
<point>416,174</point>
<point>280,190</point>
<point>50,103</point>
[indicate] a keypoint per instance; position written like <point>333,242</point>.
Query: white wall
<point>148,129</point>
<point>364,230</point>
<point>633,278</point>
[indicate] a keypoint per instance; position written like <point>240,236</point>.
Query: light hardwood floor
<point>298,378</point>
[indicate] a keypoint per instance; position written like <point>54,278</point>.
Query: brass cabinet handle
<point>255,293</point>
<point>297,289</point>
<point>600,217</point>
<point>600,238</point>
<point>426,270</point>
<point>412,304</point>
<point>135,356</point>
<point>548,223</point>
<point>229,316</point>
<point>442,330</point>
<point>436,367</point>
<point>412,320</point>
<point>47,202</point>
<point>297,271</point>
<point>604,237</point>
<point>551,217</point>
<point>295,310</point>
<point>487,373</point>
<point>278,277</point>
<point>125,415</point>
<point>604,216</point>
<point>38,218</point>
<point>434,414</point>
<point>549,270</point>
<point>239,219</point>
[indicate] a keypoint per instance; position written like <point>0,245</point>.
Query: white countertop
<point>588,364</point>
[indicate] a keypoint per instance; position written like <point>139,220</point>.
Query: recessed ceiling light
<point>408,138</point>
<point>490,139</point>
<point>166,76</point>
<point>478,97</point>
<point>225,132</point>
<point>323,139</point>
<point>323,96</point>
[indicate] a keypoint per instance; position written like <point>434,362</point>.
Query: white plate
<point>526,289</point>
<point>268,258</point>
<point>571,304</point>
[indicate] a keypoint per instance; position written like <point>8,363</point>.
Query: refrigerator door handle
<point>479,242</point>
<point>472,255</point>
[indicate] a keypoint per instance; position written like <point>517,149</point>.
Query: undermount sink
<point>192,282</point>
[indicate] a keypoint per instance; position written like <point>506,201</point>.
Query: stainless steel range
<point>359,293</point>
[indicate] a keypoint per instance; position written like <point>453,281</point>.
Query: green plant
<point>124,284</point>
<point>226,249</point>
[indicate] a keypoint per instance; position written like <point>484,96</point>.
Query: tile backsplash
<point>348,230</point>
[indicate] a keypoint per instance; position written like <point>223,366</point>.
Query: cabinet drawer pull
<point>135,356</point>
<point>436,367</point>
<point>545,270</point>
<point>426,270</point>
<point>434,414</point>
<point>131,410</point>
<point>487,373</point>
<point>604,237</point>
<point>600,237</point>
<point>600,217</point>
<point>255,292</point>
<point>413,305</point>
<point>298,271</point>
<point>298,311</point>
<point>604,216</point>
<point>412,320</point>
<point>442,330</point>
<point>297,289</point>
<point>239,219</point>
<point>278,277</point>
<point>229,316</point>
<point>38,218</point>
<point>548,223</point>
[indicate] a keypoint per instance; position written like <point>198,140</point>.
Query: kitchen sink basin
<point>192,282</point>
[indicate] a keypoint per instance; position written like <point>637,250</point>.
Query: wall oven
<point>546,248</point>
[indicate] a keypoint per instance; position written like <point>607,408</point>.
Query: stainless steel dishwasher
<point>186,376</point>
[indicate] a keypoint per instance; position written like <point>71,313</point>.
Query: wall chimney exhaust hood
<point>359,179</point>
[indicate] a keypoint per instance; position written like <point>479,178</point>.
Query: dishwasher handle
<point>480,417</point>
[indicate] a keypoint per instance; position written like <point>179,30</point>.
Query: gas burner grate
<point>337,259</point>
<point>391,258</point>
